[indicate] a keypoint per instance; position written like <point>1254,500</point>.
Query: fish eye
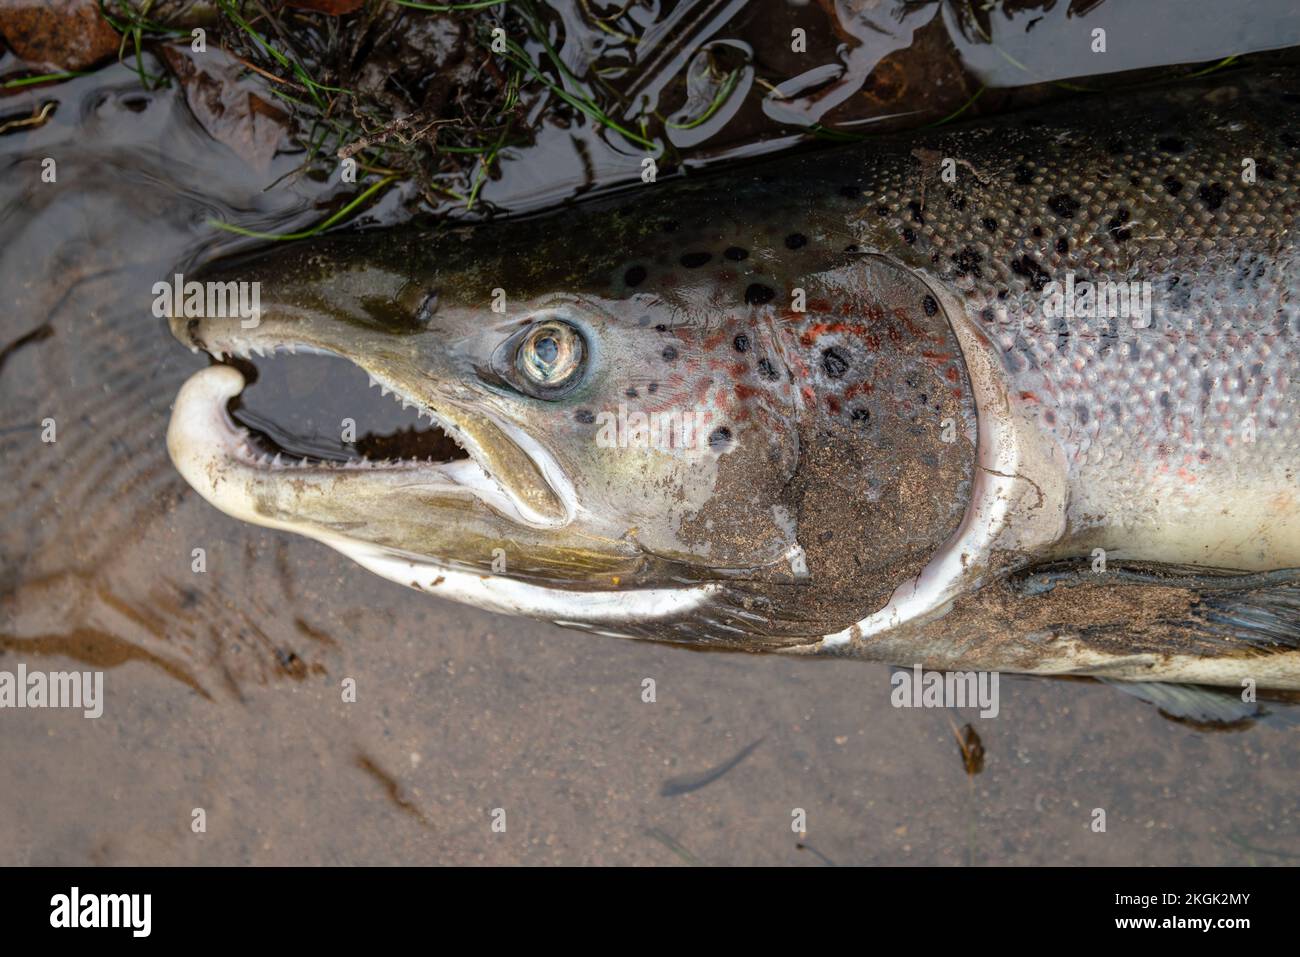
<point>551,355</point>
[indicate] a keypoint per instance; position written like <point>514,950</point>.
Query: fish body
<point>1017,396</point>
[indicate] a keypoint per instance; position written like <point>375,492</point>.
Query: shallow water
<point>223,688</point>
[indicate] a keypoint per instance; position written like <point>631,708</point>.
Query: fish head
<point>603,465</point>
<point>647,431</point>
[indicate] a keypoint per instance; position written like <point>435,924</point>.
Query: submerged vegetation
<point>401,90</point>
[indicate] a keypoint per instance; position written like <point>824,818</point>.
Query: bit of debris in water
<point>685,783</point>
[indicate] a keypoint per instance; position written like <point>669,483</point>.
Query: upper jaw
<point>506,470</point>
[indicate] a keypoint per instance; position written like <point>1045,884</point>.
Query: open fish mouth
<point>460,459</point>
<point>440,512</point>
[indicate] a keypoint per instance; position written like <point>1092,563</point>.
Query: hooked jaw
<point>508,473</point>
<point>353,506</point>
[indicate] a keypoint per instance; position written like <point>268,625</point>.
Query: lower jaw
<point>223,463</point>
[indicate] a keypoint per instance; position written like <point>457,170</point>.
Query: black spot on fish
<point>882,211</point>
<point>796,241</point>
<point>968,262</point>
<point>929,305</point>
<point>1062,245</point>
<point>1171,144</point>
<point>1038,232</point>
<point>987,315</point>
<point>735,253</point>
<point>756,294</point>
<point>1173,185</point>
<point>1180,295</point>
<point>1266,171</point>
<point>695,260</point>
<point>1082,412</point>
<point>741,342</point>
<point>918,214</point>
<point>1063,205</point>
<point>1026,266</point>
<point>909,237</point>
<point>652,388</point>
<point>990,224</point>
<point>631,393</point>
<point>635,276</point>
<point>1213,195</point>
<point>1164,400</point>
<point>860,415</point>
<point>956,200</point>
<point>1024,175</point>
<point>1116,225</point>
<point>835,362</point>
<point>669,353</point>
<point>720,439</point>
<point>661,327</point>
<point>584,416</point>
<point>767,370</point>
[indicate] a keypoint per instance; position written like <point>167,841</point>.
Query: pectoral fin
<point>1225,613</point>
<point>1203,707</point>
